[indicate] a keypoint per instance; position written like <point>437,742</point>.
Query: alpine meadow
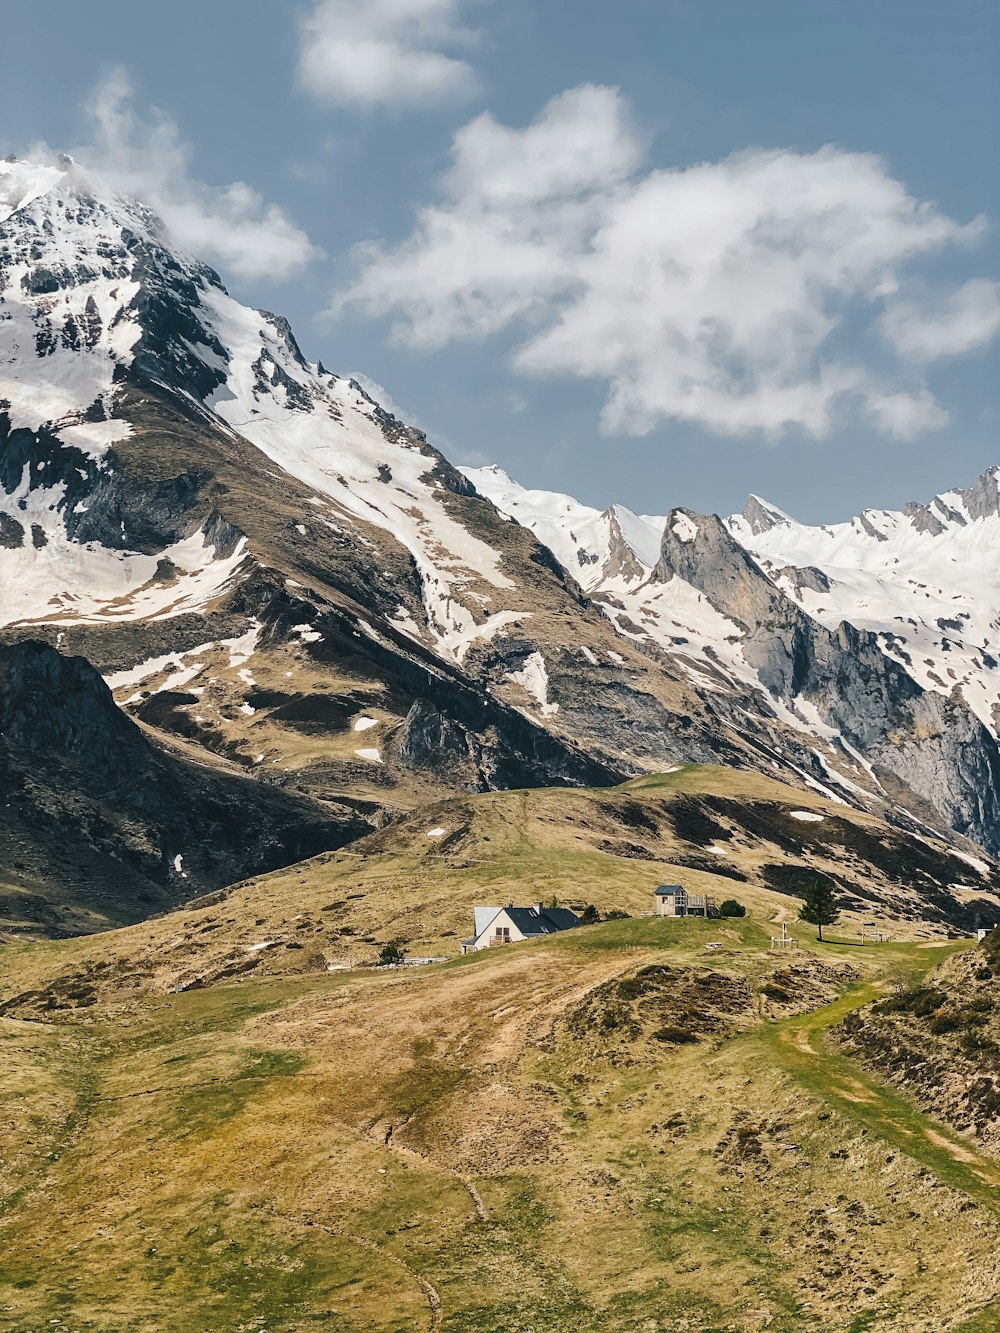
<point>430,900</point>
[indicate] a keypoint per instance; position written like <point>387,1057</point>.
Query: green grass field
<point>293,1152</point>
<point>224,1118</point>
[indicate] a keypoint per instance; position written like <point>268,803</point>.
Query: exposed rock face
<point>923,580</point>
<point>760,516</point>
<point>983,499</point>
<point>932,743</point>
<point>810,577</point>
<point>100,827</point>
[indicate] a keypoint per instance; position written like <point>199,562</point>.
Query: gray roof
<point>530,921</point>
<point>482,916</point>
<point>668,890</point>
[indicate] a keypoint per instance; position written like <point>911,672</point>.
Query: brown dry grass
<point>278,1152</point>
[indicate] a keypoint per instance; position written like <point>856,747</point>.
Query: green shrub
<point>732,907</point>
<point>922,1001</point>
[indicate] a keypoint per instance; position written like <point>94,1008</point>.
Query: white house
<point>673,900</point>
<point>508,925</point>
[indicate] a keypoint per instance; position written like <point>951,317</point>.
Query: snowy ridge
<point>22,182</point>
<point>73,309</point>
<point>924,579</point>
<point>584,540</point>
<point>73,322</point>
<point>327,432</point>
<point>590,543</point>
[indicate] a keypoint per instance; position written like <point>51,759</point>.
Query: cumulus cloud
<point>230,224</point>
<point>372,52</point>
<point>718,294</point>
<point>946,324</point>
<point>519,209</point>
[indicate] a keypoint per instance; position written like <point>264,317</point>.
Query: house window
<point>503,934</point>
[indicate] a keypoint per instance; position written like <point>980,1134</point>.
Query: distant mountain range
<point>925,579</point>
<point>281,581</point>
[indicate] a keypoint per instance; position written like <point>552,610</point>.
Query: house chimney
<point>539,908</point>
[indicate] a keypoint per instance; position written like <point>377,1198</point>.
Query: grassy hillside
<point>718,831</point>
<point>626,1127</point>
<point>223,1119</point>
<point>940,1040</point>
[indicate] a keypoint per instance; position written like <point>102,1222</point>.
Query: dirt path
<point>801,1046</point>
<point>477,1200</point>
<point>435,1308</point>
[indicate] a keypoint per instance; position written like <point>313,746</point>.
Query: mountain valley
<point>282,689</point>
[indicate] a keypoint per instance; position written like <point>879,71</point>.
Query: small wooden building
<point>674,900</point>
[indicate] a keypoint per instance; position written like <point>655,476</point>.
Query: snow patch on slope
<point>581,538</point>
<point>327,433</point>
<point>64,580</point>
<point>534,678</point>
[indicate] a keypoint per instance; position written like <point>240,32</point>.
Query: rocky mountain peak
<point>701,550</point>
<point>982,499</point>
<point>761,516</point>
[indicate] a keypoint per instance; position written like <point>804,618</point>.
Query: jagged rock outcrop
<point>930,742</point>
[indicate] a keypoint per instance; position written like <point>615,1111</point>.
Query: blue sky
<point>662,252</point>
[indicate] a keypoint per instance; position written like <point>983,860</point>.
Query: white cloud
<point>719,294</point>
<point>519,207</point>
<point>372,52</point>
<point>231,225</point>
<point>948,324</point>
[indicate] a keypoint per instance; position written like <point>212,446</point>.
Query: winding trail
<point>800,1045</point>
<point>435,1309</point>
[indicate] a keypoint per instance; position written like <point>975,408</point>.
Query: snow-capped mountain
<point>90,285</point>
<point>273,572</point>
<point>168,455</point>
<point>591,544</point>
<point>827,622</point>
<point>925,580</point>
